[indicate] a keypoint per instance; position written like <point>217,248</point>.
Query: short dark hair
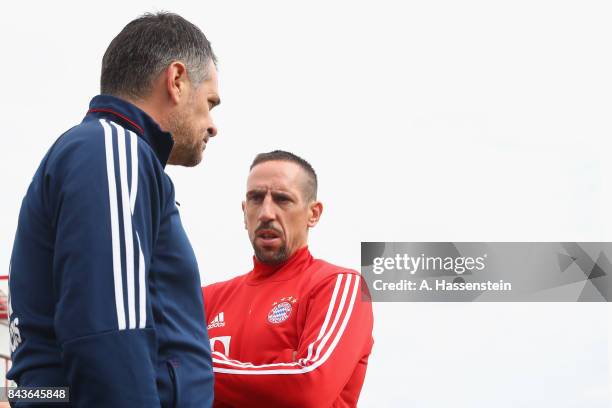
<point>281,155</point>
<point>144,49</point>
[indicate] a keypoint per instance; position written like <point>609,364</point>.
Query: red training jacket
<point>294,335</point>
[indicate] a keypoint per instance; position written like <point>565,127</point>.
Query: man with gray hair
<point>104,283</point>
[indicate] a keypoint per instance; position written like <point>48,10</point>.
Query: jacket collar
<point>132,117</point>
<point>296,263</point>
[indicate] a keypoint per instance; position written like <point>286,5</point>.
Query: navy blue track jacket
<point>104,286</point>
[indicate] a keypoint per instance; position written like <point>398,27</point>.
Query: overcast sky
<point>427,121</point>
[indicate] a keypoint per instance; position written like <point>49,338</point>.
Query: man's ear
<point>315,211</point>
<point>176,81</point>
<point>244,214</point>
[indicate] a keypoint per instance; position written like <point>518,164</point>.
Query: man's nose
<point>266,212</point>
<point>212,130</point>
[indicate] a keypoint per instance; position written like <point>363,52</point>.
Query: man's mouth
<point>268,236</point>
<point>205,141</point>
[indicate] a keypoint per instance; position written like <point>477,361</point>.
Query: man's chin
<point>186,160</point>
<point>270,256</point>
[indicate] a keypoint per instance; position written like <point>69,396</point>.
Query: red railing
<point>7,366</point>
<point>3,301</point>
<point>4,317</point>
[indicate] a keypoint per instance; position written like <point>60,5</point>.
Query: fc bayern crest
<point>280,313</point>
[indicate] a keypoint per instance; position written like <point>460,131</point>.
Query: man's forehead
<point>213,74</point>
<point>210,85</point>
<point>275,175</point>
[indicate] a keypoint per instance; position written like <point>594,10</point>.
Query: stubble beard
<point>184,152</point>
<point>265,256</point>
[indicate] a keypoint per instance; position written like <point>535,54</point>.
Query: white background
<point>426,121</point>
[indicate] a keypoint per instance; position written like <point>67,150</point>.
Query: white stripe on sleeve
<point>114,215</point>
<point>142,292</point>
<point>134,151</point>
<point>127,226</point>
<point>298,368</point>
<point>142,289</point>
<point>330,309</point>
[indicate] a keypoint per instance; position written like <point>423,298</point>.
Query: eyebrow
<point>275,194</point>
<point>255,193</point>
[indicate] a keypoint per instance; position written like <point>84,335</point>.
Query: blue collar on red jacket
<point>132,117</point>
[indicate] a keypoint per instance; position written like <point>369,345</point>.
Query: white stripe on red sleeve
<point>342,309</point>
